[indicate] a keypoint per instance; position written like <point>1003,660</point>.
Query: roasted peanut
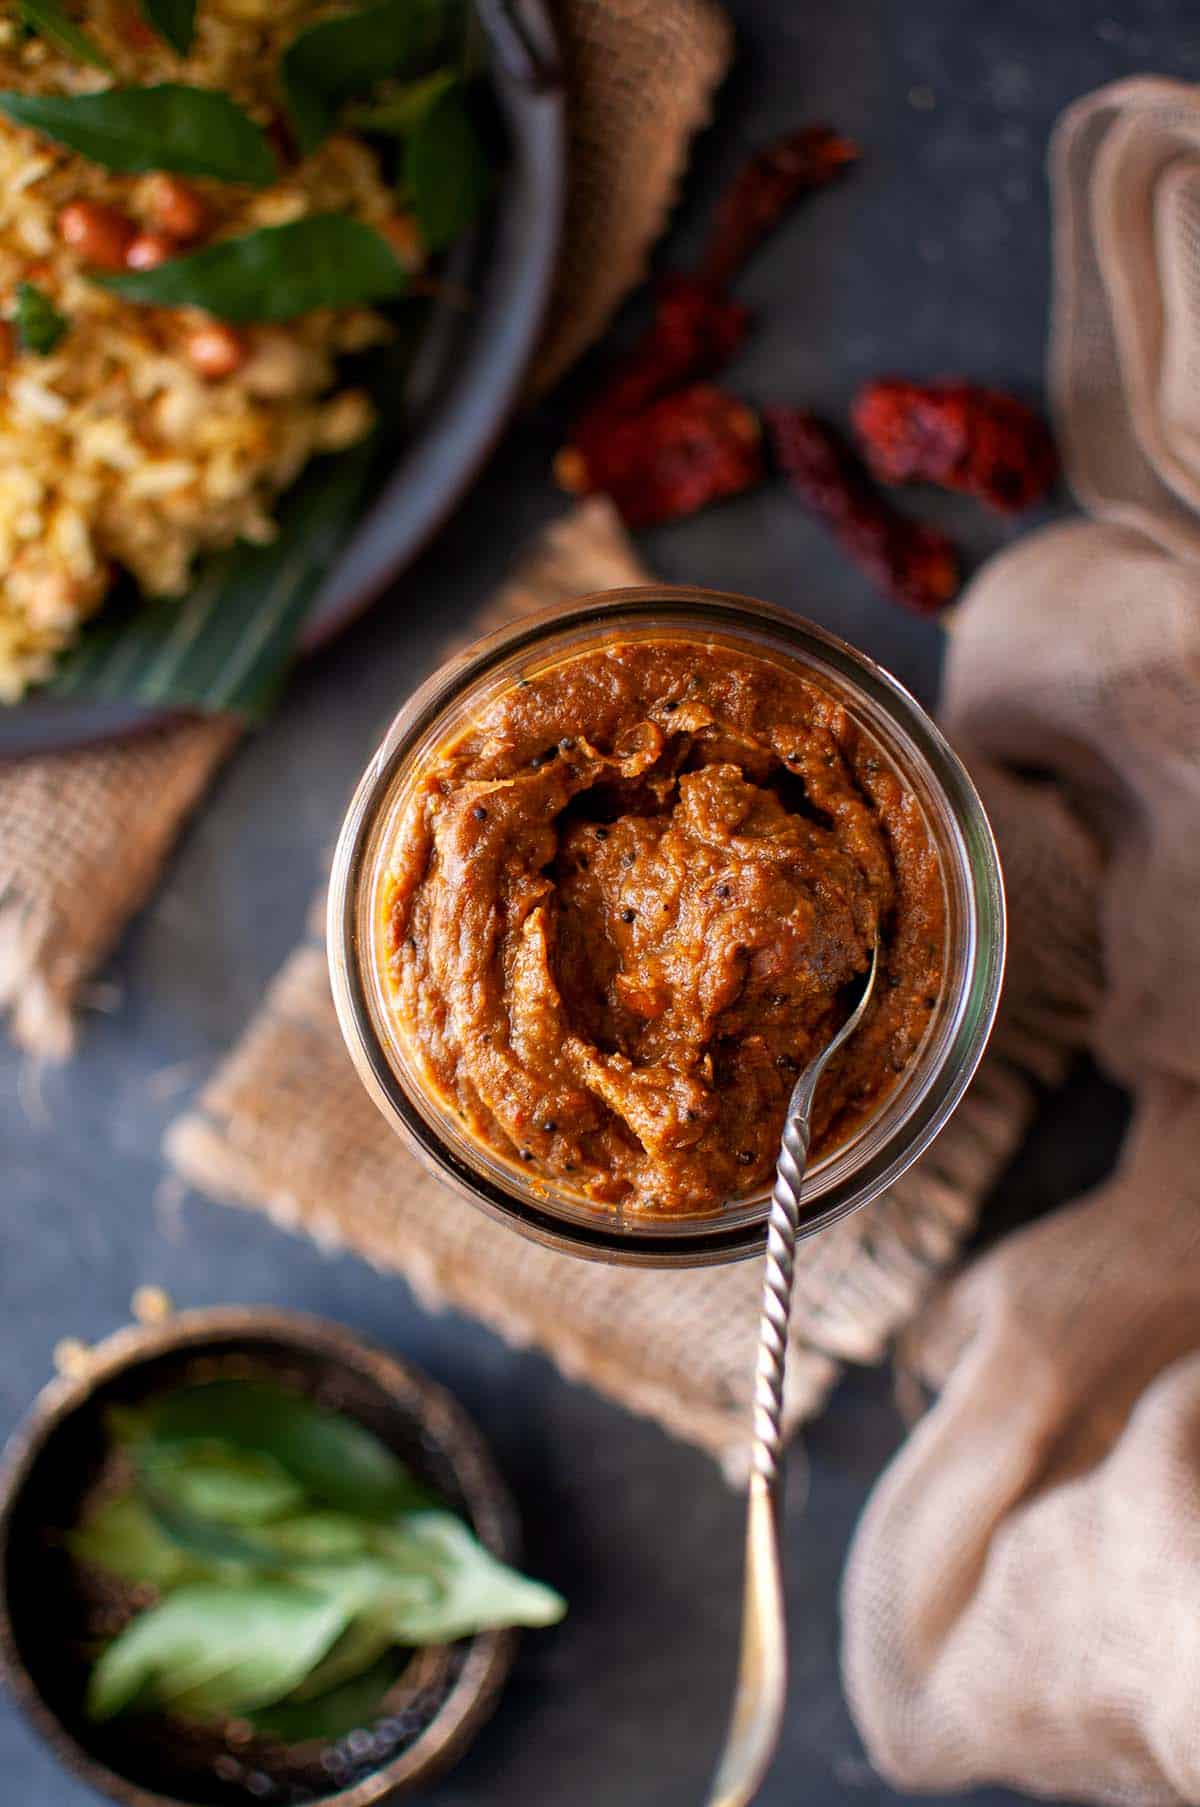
<point>404,236</point>
<point>215,350</point>
<point>148,250</point>
<point>101,234</point>
<point>175,208</point>
<point>135,31</point>
<point>278,366</point>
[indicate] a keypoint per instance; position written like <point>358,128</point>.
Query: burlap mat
<point>83,836</point>
<point>285,1127</point>
<point>1023,1598</point>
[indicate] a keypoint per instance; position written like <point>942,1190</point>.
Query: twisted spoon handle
<point>762,1668</point>
<point>778,1276</point>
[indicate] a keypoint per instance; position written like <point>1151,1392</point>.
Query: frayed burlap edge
<point>83,837</point>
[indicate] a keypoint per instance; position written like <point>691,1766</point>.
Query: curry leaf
<point>39,324</point>
<point>213,1547</point>
<point>121,1538</point>
<point>477,1591</point>
<point>345,55</point>
<point>401,111</point>
<point>276,273</point>
<point>319,1537</point>
<point>294,1613</point>
<point>193,131</point>
<point>446,170</point>
<point>211,1649</point>
<point>48,19</point>
<point>127,1424</point>
<point>216,1480</point>
<point>337,1460</point>
<point>332,1552</point>
<point>341,1709</point>
<point>330,1549</point>
<point>375,1585</point>
<point>358,1648</point>
<point>174,20</point>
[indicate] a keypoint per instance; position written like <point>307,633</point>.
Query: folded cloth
<point>83,835</point>
<point>1022,1602</point>
<point>286,1127</point>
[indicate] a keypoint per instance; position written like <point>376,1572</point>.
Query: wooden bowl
<point>437,1706</point>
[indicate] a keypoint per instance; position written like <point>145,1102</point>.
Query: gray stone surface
<point>933,259</point>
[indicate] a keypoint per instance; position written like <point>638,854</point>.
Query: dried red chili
<point>694,334</point>
<point>914,563</point>
<point>696,329</point>
<point>661,449</point>
<point>768,185</point>
<point>684,451</point>
<point>958,435</point>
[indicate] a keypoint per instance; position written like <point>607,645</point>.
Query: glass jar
<point>907,1117</point>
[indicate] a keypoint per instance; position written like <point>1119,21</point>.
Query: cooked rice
<point>114,453</point>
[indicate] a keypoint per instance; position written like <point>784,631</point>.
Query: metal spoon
<point>762,1667</point>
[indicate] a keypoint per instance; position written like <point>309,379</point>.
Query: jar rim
<point>738,1229</point>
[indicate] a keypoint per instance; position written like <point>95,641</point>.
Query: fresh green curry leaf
<point>338,58</point>
<point>360,1646</point>
<point>373,1586</point>
<point>446,170</point>
<point>276,273</point>
<point>48,19</point>
<point>213,1547</point>
<point>477,1591</point>
<point>332,1714</point>
<point>297,1560</point>
<point>319,1537</point>
<point>332,1552</point>
<point>400,112</point>
<point>174,20</point>
<point>192,131</point>
<point>39,324</point>
<point>122,1538</point>
<point>212,1649</point>
<point>216,1480</point>
<point>127,1424</point>
<point>337,1460</point>
<point>322,1547</point>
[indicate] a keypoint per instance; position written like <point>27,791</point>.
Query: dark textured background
<point>932,258</point>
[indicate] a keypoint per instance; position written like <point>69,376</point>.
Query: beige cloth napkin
<point>83,835</point>
<point>286,1127</point>
<point>1022,1602</point>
